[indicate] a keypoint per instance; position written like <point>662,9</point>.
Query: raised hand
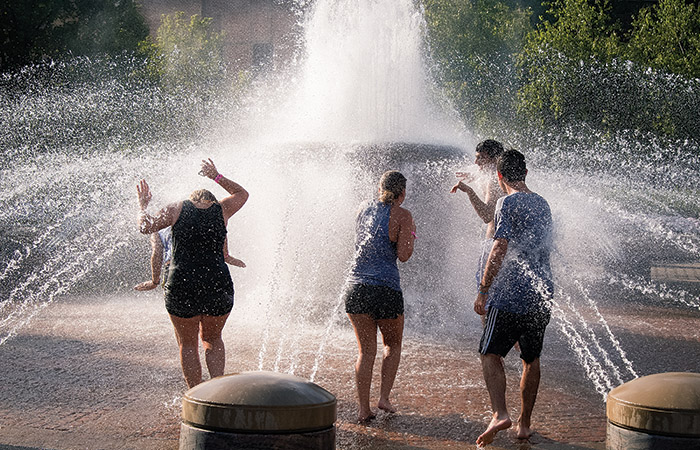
<point>144,194</point>
<point>466,177</point>
<point>208,169</point>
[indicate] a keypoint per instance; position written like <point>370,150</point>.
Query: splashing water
<point>359,103</point>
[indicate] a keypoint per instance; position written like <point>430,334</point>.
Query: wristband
<point>218,178</point>
<point>413,233</point>
<point>483,292</point>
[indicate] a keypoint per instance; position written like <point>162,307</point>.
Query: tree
<point>186,53</point>
<point>555,65</point>
<point>575,69</point>
<point>474,43</point>
<point>666,36</point>
<point>34,30</point>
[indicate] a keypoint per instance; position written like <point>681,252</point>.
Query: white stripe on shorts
<point>488,329</point>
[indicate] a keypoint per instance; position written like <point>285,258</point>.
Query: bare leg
<point>529,384</point>
<point>214,350</point>
<point>392,336</point>
<point>495,377</point>
<point>187,334</point>
<point>366,333</point>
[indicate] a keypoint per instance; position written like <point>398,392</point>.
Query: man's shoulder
<point>524,197</point>
<point>500,202</point>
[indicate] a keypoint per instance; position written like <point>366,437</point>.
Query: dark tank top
<point>375,254</point>
<point>197,267</point>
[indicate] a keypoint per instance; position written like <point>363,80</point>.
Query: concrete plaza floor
<point>103,373</point>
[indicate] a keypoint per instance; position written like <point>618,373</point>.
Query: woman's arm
<point>156,262</point>
<point>238,196</point>
<point>165,217</point>
<point>406,235</point>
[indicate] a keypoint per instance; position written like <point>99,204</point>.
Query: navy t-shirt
<point>524,283</point>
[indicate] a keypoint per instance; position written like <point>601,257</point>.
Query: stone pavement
<point>103,374</point>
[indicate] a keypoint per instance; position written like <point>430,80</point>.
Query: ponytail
<point>391,186</point>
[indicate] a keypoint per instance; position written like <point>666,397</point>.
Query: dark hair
<point>391,185</point>
<point>492,148</point>
<point>511,164</point>
<point>201,195</point>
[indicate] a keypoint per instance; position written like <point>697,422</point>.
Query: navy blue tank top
<point>375,255</point>
<point>197,266</point>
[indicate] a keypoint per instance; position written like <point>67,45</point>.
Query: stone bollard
<point>655,412</point>
<point>258,410</point>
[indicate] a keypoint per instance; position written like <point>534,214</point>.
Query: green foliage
<point>667,37</point>
<point>553,57</point>
<point>473,43</point>
<point>579,29</point>
<point>575,69</point>
<point>617,95</point>
<point>34,30</point>
<point>186,53</point>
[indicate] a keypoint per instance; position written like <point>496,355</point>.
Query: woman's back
<point>375,253</point>
<point>198,238</point>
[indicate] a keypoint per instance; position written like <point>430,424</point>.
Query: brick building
<point>258,34</point>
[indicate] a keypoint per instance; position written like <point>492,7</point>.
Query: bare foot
<point>495,426</point>
<point>364,419</point>
<point>385,405</point>
<point>524,432</point>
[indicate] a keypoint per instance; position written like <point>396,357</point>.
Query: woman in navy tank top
<point>199,290</point>
<point>384,232</point>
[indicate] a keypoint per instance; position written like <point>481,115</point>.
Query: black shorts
<point>503,329</point>
<point>202,303</point>
<point>379,302</point>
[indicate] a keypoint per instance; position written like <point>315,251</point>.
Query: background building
<point>258,34</point>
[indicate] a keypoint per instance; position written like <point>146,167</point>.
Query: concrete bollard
<point>655,412</point>
<point>258,410</point>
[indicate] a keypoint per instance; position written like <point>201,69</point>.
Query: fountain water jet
<point>77,234</point>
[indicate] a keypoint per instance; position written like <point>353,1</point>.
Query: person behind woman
<point>198,290</point>
<point>384,232</point>
<point>161,248</point>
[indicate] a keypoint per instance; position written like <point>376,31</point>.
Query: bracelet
<point>483,290</point>
<point>413,233</point>
<point>218,178</point>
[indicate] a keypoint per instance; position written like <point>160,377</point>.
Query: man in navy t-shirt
<point>515,293</point>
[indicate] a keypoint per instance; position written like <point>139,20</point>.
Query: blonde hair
<point>391,186</point>
<point>202,195</point>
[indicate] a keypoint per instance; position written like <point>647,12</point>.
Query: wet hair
<point>491,147</point>
<point>511,164</point>
<point>202,195</point>
<point>391,185</point>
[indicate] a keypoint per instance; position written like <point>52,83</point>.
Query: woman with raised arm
<point>199,289</point>
<point>385,232</point>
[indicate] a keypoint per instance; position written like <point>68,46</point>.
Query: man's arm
<point>484,209</point>
<point>493,266</point>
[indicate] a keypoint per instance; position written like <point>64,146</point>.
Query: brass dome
<point>259,402</point>
<point>664,404</point>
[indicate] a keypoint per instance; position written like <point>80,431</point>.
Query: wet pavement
<point>103,373</point>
